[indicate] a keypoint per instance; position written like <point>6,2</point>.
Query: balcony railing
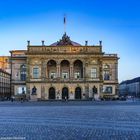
<point>58,79</point>
<point>18,82</point>
<point>114,55</point>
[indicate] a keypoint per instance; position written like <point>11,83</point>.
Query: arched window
<point>23,73</point>
<point>65,69</point>
<point>78,69</point>
<point>65,93</point>
<point>51,69</point>
<point>51,93</point>
<point>78,93</point>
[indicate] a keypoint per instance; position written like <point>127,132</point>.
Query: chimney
<point>43,44</point>
<point>28,42</point>
<point>86,43</point>
<point>100,43</point>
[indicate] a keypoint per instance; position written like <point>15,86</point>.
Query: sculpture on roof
<point>65,40</point>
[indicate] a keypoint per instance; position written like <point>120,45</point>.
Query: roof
<point>131,81</point>
<point>65,41</point>
<point>3,71</point>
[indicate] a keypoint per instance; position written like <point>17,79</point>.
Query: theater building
<point>66,70</point>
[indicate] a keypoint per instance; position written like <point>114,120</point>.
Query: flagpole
<point>64,24</point>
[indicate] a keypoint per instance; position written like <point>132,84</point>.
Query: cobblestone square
<point>70,120</point>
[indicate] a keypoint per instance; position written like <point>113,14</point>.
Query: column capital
<point>71,62</point>
<point>58,62</point>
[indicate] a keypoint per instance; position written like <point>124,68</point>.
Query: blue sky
<point>115,22</point>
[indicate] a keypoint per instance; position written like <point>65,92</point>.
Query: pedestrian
<point>133,98</point>
<point>21,100</point>
<point>65,98</point>
<point>12,98</point>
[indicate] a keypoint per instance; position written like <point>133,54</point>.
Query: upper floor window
<point>65,75</point>
<point>106,75</point>
<point>23,73</point>
<point>35,72</point>
<point>52,75</point>
<point>77,75</point>
<point>93,73</point>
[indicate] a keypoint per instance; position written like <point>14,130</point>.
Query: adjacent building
<point>18,72</point>
<point>130,87</point>
<point>5,63</point>
<point>64,70</point>
<point>4,84</point>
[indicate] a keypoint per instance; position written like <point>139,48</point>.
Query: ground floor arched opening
<point>78,93</point>
<point>52,93</point>
<point>65,93</point>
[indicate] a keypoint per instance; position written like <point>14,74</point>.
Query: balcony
<point>109,55</point>
<point>18,82</point>
<point>64,80</point>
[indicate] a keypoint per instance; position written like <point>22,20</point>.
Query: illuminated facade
<point>68,70</point>
<point>4,84</point>
<point>5,63</point>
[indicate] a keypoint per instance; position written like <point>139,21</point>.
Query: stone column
<point>116,71</point>
<point>43,69</point>
<point>28,91</point>
<point>87,91</point>
<point>84,71</point>
<point>28,76</point>
<point>42,92</point>
<point>58,70</point>
<point>46,70</point>
<point>71,70</point>
<point>28,70</point>
<point>100,70</point>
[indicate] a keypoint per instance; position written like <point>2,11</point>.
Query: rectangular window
<point>107,89</point>
<point>35,72</point>
<point>21,90</point>
<point>77,75</point>
<point>106,75</point>
<point>52,75</point>
<point>94,73</point>
<point>65,75</point>
<point>23,76</point>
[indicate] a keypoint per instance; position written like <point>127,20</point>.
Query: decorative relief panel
<point>63,49</point>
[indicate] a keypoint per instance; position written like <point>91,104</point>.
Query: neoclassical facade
<point>68,70</point>
<point>18,72</point>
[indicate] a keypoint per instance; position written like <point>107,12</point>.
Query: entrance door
<point>78,93</point>
<point>65,93</point>
<point>51,93</point>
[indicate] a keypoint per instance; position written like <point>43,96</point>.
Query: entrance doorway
<point>51,93</point>
<point>65,93</point>
<point>78,93</point>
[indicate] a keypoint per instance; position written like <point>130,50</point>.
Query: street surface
<point>81,120</point>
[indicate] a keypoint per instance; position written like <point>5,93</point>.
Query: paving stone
<point>70,121</point>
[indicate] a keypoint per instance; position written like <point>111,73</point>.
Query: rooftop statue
<point>65,41</point>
